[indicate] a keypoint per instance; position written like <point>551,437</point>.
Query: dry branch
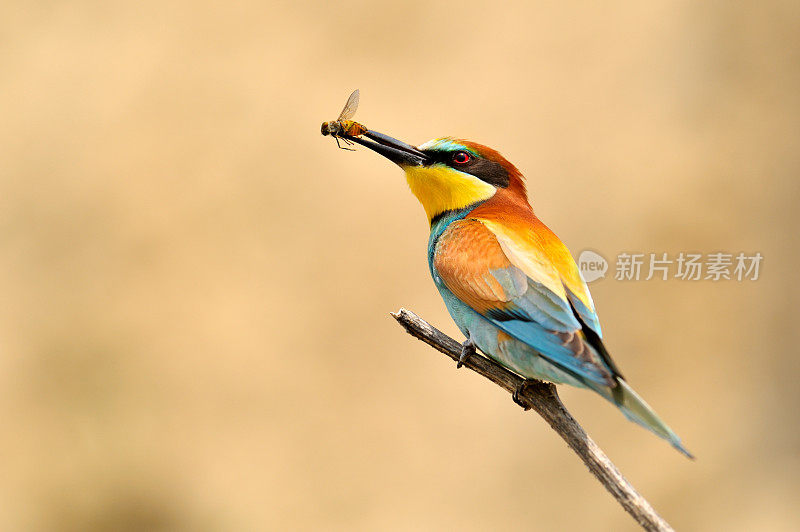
<point>543,398</point>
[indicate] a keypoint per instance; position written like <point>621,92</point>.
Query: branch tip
<point>543,397</point>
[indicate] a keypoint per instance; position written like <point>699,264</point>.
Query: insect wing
<point>350,107</point>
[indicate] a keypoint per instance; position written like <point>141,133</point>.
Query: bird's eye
<point>461,157</point>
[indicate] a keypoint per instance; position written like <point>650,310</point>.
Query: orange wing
<point>469,279</point>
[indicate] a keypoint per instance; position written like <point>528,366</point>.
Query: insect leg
<point>343,147</point>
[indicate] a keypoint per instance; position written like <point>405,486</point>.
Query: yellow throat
<point>440,188</point>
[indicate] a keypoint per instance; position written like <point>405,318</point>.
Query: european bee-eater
<point>509,283</point>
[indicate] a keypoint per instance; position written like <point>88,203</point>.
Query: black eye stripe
<point>485,170</point>
<point>489,171</point>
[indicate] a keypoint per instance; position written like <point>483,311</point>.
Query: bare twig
<point>543,398</point>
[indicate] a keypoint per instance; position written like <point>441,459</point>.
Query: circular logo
<point>592,265</point>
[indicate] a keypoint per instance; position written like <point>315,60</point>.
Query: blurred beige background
<point>194,328</point>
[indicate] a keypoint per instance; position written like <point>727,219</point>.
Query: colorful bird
<point>509,283</point>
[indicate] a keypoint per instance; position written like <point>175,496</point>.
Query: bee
<point>343,127</point>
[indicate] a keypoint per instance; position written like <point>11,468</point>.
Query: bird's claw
<point>467,350</point>
<point>520,390</point>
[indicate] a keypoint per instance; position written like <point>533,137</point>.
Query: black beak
<point>396,151</point>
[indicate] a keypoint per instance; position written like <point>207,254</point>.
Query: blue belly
<point>515,355</point>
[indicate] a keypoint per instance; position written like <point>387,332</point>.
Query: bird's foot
<point>467,350</point>
<point>521,390</point>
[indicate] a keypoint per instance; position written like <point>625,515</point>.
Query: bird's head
<point>448,174</point>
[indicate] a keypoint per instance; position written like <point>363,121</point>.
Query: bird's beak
<point>395,150</point>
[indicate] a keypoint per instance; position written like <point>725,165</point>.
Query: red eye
<point>461,157</point>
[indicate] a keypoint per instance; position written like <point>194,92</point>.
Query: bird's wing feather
<point>512,281</point>
<point>530,246</point>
